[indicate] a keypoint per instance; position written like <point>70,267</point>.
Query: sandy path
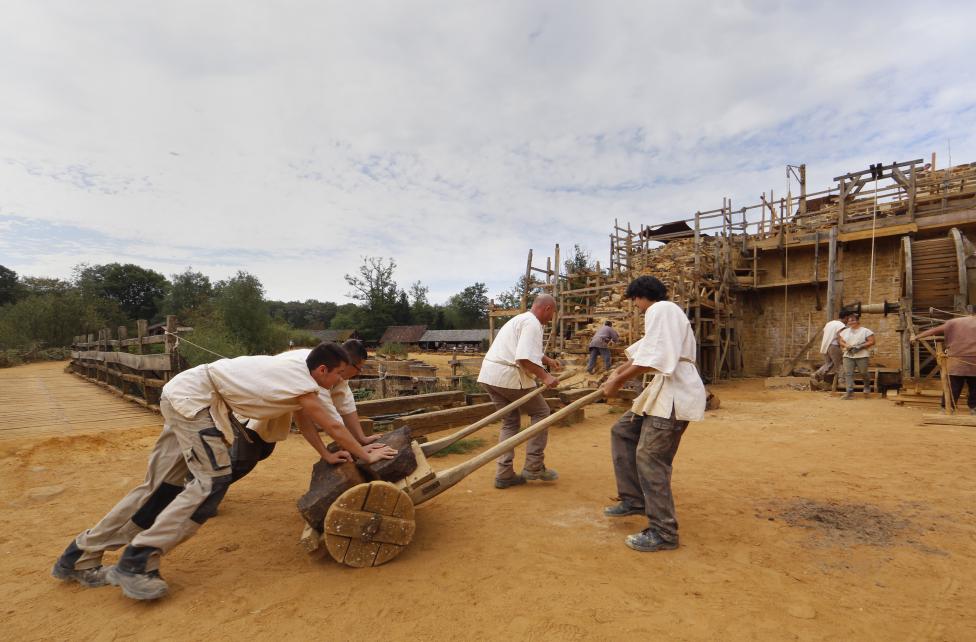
<point>539,561</point>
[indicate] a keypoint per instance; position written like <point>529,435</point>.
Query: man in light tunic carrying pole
<point>515,357</point>
<point>645,439</point>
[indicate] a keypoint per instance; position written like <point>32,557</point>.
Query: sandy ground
<point>802,517</point>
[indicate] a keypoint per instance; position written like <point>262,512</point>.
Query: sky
<point>291,139</point>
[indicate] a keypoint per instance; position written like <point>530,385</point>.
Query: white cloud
<point>292,138</point>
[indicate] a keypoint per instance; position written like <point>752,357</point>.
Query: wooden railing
<point>135,368</point>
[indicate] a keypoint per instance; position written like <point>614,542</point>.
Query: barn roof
<point>403,334</point>
<point>337,336</point>
<point>454,336</point>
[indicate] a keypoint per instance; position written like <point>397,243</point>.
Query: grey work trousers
<point>643,449</point>
<point>537,409</point>
<point>861,364</point>
<point>833,364</point>
<point>186,448</point>
<point>594,354</point>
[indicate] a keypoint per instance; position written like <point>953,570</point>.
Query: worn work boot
<point>647,541</point>
<point>622,509</point>
<point>64,569</point>
<point>848,395</point>
<point>546,474</point>
<point>508,482</point>
<point>89,577</point>
<point>138,586</point>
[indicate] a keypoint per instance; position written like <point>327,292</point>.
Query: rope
<point>195,345</point>
<point>874,220</point>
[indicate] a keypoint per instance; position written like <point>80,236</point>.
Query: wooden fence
<point>134,368</point>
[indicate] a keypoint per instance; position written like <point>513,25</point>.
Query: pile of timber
<point>931,399</point>
<point>961,418</point>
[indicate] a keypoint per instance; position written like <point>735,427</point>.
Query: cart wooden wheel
<point>369,524</point>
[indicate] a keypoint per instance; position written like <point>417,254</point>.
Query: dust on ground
<point>872,536</point>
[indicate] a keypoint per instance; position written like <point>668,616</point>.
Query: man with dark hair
<point>199,406</point>
<point>645,439</point>
<point>600,346</point>
<point>856,341</point>
<point>338,402</point>
<point>515,357</point>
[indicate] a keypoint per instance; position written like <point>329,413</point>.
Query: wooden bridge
<point>42,400</point>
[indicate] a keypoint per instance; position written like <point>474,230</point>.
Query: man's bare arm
<point>939,329</point>
<point>315,411</point>
<point>311,435</point>
<point>538,372</point>
<point>354,426</point>
<point>620,376</point>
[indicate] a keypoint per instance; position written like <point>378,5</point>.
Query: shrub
<point>393,349</point>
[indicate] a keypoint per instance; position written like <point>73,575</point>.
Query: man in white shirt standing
<point>513,360</point>
<point>198,407</point>
<point>645,439</point>
<point>831,350</point>
<point>856,340</point>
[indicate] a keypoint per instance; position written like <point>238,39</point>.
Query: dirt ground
<point>802,517</point>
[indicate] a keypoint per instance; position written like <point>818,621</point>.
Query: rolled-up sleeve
<point>659,348</point>
<point>343,399</point>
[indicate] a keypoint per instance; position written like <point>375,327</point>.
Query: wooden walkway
<point>42,400</point>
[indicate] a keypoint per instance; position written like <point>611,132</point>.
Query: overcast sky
<point>290,139</point>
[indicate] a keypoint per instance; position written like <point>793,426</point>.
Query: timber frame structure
<point>734,269</point>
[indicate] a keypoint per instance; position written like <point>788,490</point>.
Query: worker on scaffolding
<point>645,439</point>
<point>856,341</point>
<point>600,346</point>
<point>960,343</point>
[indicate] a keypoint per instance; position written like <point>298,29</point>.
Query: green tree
<point>9,286</point>
<point>374,285</point>
<point>240,303</point>
<point>189,292</point>
<point>138,291</point>
<point>512,299</point>
<point>307,315</point>
<point>53,318</point>
<point>469,307</point>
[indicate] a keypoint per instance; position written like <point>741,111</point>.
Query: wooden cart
<point>371,522</point>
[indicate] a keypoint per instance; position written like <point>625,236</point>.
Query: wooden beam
<point>395,405</point>
<point>430,422</point>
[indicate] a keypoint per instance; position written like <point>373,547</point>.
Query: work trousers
<point>833,364</point>
<point>598,352</point>
<point>643,449</point>
<point>956,383</point>
<point>537,409</point>
<point>189,473</point>
<point>861,364</point>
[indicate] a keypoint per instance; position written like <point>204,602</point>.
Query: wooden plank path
<point>42,400</point>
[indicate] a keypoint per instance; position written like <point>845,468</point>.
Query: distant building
<point>408,335</point>
<point>454,339</point>
<point>335,336</point>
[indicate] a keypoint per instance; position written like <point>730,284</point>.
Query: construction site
<point>802,517</point>
<point>893,242</point>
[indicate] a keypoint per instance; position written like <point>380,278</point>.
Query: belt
<point>235,425</point>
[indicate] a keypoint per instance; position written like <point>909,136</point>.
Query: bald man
<point>514,362</point>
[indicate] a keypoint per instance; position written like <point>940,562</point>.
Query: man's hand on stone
<point>383,452</point>
<point>371,438</point>
<point>338,457</point>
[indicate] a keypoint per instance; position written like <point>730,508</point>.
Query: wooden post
<point>174,359</point>
<point>841,202</point>
<point>528,275</point>
<point>803,189</point>
<point>911,193</point>
<point>557,292</point>
<point>832,275</point>
<point>141,328</point>
<point>491,322</point>
<point>123,335</point>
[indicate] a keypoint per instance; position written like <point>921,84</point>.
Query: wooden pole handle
<point>452,476</point>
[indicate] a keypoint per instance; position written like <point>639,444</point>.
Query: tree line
<point>233,316</point>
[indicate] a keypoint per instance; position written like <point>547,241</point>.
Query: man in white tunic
<point>338,401</point>
<point>831,350</point>
<point>198,408</point>
<point>515,357</point>
<point>645,439</point>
